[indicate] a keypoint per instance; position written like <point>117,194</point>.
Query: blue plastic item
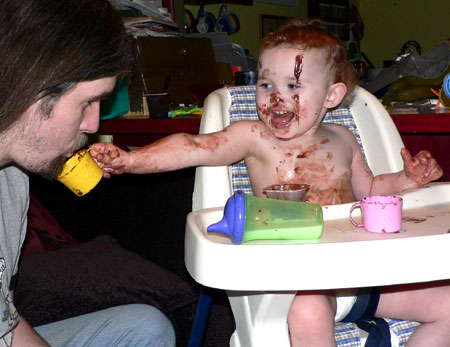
<point>201,318</point>
<point>233,222</point>
<point>446,85</point>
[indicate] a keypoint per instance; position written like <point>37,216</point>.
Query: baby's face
<point>291,90</point>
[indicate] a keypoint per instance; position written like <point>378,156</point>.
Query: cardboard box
<point>190,63</point>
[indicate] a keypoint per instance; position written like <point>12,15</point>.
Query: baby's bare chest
<point>318,161</point>
<point>326,167</point>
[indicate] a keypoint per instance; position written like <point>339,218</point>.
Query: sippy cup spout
<point>221,227</point>
<point>233,221</point>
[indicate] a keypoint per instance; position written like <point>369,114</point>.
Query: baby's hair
<point>307,35</point>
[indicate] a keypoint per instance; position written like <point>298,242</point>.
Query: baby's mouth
<point>282,119</point>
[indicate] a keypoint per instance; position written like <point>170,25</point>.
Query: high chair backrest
<point>365,117</point>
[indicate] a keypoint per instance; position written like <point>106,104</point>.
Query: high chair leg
<point>200,319</point>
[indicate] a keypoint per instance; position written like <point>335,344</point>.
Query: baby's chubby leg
<point>428,303</point>
<point>311,319</point>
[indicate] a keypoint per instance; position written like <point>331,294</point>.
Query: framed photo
<point>271,23</point>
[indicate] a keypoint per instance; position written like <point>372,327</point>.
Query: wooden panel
<point>189,62</point>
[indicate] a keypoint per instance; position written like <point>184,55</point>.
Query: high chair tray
<point>344,257</point>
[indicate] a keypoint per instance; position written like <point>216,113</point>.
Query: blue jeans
<point>128,325</point>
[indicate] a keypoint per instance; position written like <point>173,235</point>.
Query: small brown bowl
<point>293,192</point>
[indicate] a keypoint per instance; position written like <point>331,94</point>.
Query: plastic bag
<point>431,65</point>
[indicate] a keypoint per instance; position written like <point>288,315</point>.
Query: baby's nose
<point>275,98</point>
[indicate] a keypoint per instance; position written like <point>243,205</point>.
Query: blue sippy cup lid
<point>233,221</point>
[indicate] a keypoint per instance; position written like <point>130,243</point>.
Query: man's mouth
<point>282,119</point>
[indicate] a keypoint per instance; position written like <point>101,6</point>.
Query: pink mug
<point>380,214</point>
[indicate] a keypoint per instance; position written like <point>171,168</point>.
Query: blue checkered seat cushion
<point>243,107</point>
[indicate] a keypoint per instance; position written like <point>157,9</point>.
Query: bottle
<point>248,218</point>
<point>352,45</point>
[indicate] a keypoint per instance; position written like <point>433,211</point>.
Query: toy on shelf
<point>206,21</point>
<point>444,93</point>
<point>227,22</point>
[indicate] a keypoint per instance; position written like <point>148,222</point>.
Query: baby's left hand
<point>422,168</point>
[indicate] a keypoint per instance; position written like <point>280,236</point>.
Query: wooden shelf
<point>150,126</point>
<point>430,123</point>
<point>139,132</point>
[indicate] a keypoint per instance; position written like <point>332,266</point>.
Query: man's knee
<point>147,324</point>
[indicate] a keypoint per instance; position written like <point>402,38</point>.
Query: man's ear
<point>335,94</point>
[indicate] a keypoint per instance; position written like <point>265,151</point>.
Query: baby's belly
<point>331,195</point>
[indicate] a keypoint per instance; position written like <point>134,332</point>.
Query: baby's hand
<point>112,158</point>
<point>422,168</point>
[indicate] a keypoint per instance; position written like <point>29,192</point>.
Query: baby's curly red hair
<point>307,35</point>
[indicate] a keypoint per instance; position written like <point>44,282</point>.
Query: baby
<point>303,72</point>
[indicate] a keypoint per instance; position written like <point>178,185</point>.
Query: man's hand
<point>422,168</point>
<point>25,335</point>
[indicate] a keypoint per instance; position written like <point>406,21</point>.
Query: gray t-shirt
<point>14,202</point>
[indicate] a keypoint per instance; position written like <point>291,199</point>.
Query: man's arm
<point>25,335</point>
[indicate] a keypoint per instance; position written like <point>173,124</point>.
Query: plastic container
<point>249,218</point>
<point>118,103</point>
<point>293,192</point>
<point>444,95</point>
<point>158,105</point>
<point>81,173</point>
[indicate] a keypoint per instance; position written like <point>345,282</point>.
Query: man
<point>58,59</point>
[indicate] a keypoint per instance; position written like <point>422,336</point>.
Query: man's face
<point>291,90</point>
<point>43,143</point>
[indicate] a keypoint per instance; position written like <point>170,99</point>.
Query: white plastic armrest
<point>379,136</point>
<point>212,185</point>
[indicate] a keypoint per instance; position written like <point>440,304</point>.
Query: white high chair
<point>262,277</point>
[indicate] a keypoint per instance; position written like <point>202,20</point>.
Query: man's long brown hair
<point>48,46</point>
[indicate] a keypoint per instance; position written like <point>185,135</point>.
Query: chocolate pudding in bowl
<point>292,192</point>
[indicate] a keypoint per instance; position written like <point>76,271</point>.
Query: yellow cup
<point>81,173</point>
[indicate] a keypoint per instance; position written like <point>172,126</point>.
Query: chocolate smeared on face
<point>298,67</point>
<point>275,99</point>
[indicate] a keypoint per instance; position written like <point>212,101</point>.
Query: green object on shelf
<point>182,112</point>
<point>118,102</point>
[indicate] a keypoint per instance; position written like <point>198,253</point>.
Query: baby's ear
<point>336,93</point>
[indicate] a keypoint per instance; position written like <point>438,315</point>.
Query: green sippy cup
<point>248,217</point>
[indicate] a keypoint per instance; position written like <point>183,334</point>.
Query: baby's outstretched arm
<point>169,153</point>
<point>179,151</point>
<point>418,170</point>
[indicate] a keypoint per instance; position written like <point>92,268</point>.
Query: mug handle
<point>355,205</point>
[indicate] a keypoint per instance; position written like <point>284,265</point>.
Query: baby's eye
<point>294,85</point>
<point>265,85</point>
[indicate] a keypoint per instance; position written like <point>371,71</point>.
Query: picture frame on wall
<point>271,23</point>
